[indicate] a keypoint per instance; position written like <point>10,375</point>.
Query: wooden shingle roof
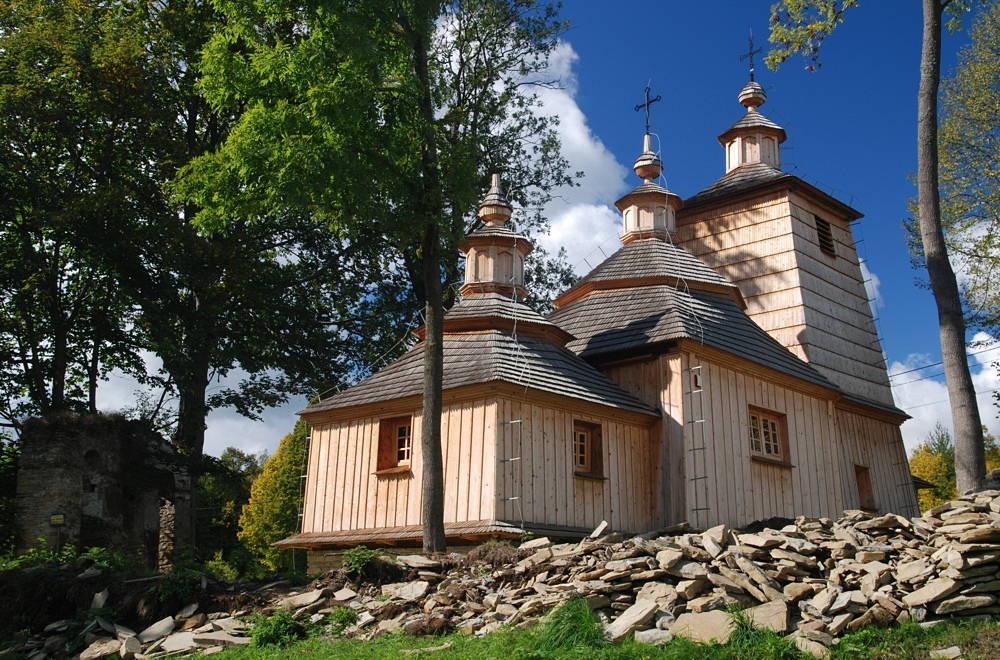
<point>486,356</point>
<point>654,258</point>
<point>737,180</point>
<point>615,320</point>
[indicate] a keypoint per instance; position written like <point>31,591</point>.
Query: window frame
<point>824,236</point>
<point>587,443</point>
<point>778,427</point>
<point>391,458</point>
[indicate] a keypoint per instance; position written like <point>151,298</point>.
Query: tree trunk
<point>970,462</point>
<point>430,437</point>
<point>431,213</point>
<point>192,385</point>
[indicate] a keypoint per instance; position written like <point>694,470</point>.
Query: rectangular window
<point>404,443</point>
<point>767,435</point>
<point>866,494</point>
<point>825,234</point>
<point>588,450</point>
<point>395,444</point>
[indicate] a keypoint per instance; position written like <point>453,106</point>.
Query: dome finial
<point>495,210</point>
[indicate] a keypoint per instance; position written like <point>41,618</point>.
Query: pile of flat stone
<point>814,580</point>
<point>186,633</point>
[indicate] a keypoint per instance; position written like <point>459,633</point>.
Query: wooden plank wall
<point>723,484</point>
<point>343,493</point>
<point>656,381</point>
<point>877,445</point>
<point>841,332</point>
<point>814,304</point>
<point>535,465</point>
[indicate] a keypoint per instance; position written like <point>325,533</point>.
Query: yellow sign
<point>57,519</point>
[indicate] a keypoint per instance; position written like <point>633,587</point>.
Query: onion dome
<point>494,254</point>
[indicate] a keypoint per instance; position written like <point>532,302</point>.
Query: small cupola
<point>648,211</point>
<point>754,138</point>
<point>494,254</point>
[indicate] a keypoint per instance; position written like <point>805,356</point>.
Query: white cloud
<point>923,393</point>
<point>872,283</point>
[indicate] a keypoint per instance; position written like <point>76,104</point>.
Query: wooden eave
<point>487,390</point>
<point>790,183</point>
<point>752,368</point>
<point>411,535</point>
<point>776,131</point>
<point>549,331</point>
<point>523,245</point>
<point>633,198</point>
<point>571,404</point>
<point>590,286</point>
<point>874,409</point>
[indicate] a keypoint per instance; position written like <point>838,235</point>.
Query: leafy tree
<point>275,498</point>
<point>383,120</point>
<point>78,148</point>
<point>223,490</point>
<point>799,26</point>
<point>970,153</point>
<point>934,461</point>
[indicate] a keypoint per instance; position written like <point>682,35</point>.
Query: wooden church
<point>721,367</point>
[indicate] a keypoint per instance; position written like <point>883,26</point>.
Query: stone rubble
<point>813,580</point>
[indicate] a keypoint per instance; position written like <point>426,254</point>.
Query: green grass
<point>572,631</point>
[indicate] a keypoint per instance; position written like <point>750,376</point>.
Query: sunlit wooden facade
<point>721,367</point>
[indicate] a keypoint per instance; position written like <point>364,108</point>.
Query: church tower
<point>789,248</point>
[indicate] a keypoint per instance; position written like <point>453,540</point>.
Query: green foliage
<point>80,123</point>
<point>181,585</point>
<point>570,627</point>
<point>223,490</point>
<point>279,629</point>
<point>358,558</point>
<point>40,554</point>
<point>275,497</point>
<point>934,460</point>
<point>342,618</point>
<point>219,568</point>
<point>969,142</point>
<point>798,27</point>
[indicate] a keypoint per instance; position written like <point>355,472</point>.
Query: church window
<point>395,443</point>
<point>825,234</point>
<point>767,436</point>
<point>588,450</point>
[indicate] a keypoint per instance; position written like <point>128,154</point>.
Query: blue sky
<point>851,132</point>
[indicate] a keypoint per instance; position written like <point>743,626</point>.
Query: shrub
<point>219,568</point>
<point>279,629</point>
<point>357,559</point>
<point>273,510</point>
<point>181,585</point>
<point>341,618</point>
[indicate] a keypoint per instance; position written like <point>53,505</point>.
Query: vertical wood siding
<point>535,466</point>
<point>723,484</point>
<point>813,303</point>
<point>343,493</point>
<point>877,445</point>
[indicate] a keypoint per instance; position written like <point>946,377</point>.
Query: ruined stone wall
<point>91,480</point>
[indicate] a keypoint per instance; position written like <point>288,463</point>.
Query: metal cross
<point>646,105</point>
<point>750,54</point>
